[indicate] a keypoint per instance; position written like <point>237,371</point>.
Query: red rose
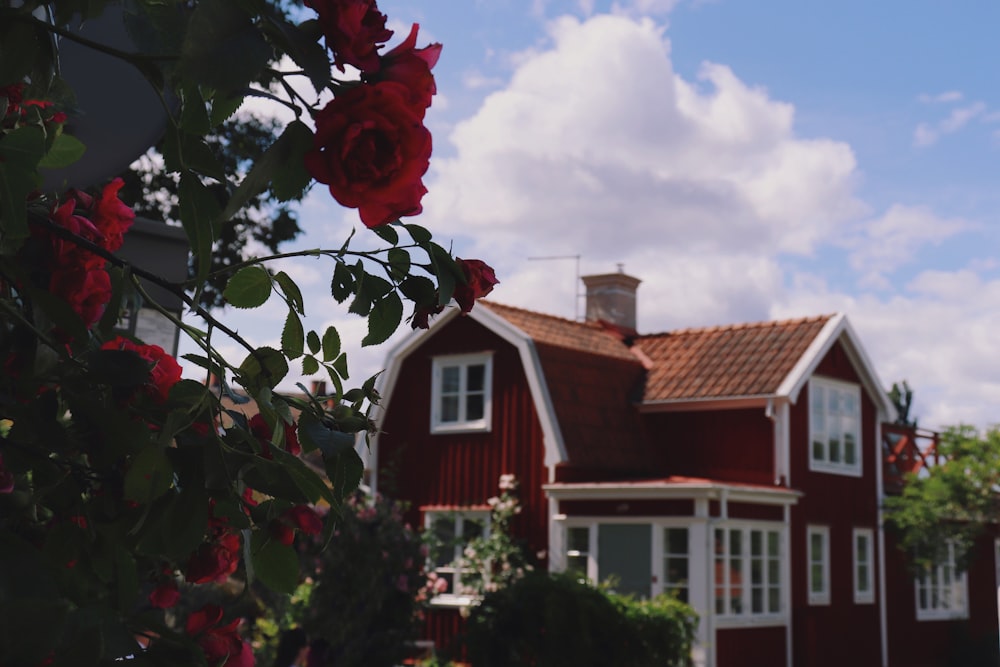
<point>353,30</point>
<point>165,595</point>
<point>215,560</point>
<point>305,518</point>
<point>479,281</point>
<point>6,478</point>
<point>262,431</point>
<point>111,216</point>
<point>86,291</point>
<point>218,642</point>
<point>372,149</point>
<point>13,93</point>
<point>412,68</point>
<point>164,372</point>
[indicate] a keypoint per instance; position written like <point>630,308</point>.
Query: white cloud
<point>941,98</point>
<point>927,134</point>
<point>890,241</point>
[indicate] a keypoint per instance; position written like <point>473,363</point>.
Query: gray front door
<point>624,551</point>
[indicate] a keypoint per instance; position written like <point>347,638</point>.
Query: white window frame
<point>840,423</point>
<point>818,562</point>
<point>945,592</point>
<point>454,596</point>
<point>864,557</point>
<point>742,613</point>
<point>462,424</point>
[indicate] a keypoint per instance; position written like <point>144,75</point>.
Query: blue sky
<point>747,161</point>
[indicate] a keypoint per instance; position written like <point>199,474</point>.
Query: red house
<point>741,467</point>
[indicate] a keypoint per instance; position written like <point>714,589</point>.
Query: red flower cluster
<point>165,595</point>
<point>217,558</point>
<point>77,275</point>
<point>300,517</point>
<point>164,371</point>
<point>218,642</point>
<point>371,147</point>
<point>479,281</point>
<point>262,431</point>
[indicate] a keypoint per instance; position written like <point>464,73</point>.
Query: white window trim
<point>450,598</point>
<point>750,619</point>
<point>462,425</point>
<point>864,596</point>
<point>850,469</point>
<point>820,597</point>
<point>959,587</point>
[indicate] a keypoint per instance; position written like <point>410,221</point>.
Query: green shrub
<point>556,621</point>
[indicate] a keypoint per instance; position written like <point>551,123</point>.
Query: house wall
<point>841,632</point>
<point>728,445</point>
<point>751,647</point>
<point>970,642</point>
<point>462,469</point>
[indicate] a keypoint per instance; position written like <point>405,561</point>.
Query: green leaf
<point>20,152</point>
<point>197,156</point>
<point>312,340</point>
<point>199,213</point>
<point>384,319</point>
<point>419,235</point>
<point>281,167</point>
<point>340,365</point>
<point>184,521</point>
<point>194,113</point>
<point>275,564</point>
<point>292,336</point>
<point>66,150</point>
<point>369,290</point>
<point>387,233</point>
<point>149,476</point>
<point>447,271</point>
<point>345,472</point>
<point>266,368</point>
<point>309,365</point>
<point>250,287</point>
<point>222,49</point>
<point>419,289</point>
<point>291,291</point>
<point>331,344</point>
<point>342,284</point>
<point>399,263</point>
<point>307,53</point>
<point>118,368</point>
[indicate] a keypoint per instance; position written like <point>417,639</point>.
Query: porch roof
<point>673,487</point>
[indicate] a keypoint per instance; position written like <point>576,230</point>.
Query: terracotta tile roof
<point>560,332</point>
<point>726,361</point>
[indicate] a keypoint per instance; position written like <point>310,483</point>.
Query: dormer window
<point>834,426</point>
<point>460,393</point>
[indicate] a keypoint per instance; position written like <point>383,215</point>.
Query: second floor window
<point>460,393</point>
<point>834,426</point>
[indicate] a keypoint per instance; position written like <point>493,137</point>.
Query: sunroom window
<point>942,591</point>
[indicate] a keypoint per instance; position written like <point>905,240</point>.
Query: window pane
<point>772,543</point>
<point>850,449</point>
<point>473,407</point>
<point>773,599</point>
<point>676,540</point>
<point>819,452</point>
<point>449,379</point>
<point>816,578</point>
<point>756,543</point>
<point>444,536</point>
<point>475,377</point>
<point>578,539</point>
<point>577,565</point>
<point>834,449</point>
<point>472,528</point>
<point>449,408</point>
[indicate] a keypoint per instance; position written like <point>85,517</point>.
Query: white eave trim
<point>835,329</point>
<point>672,490</point>
<point>709,403</point>
<point>555,448</point>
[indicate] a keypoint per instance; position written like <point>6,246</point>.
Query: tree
<point>952,501</point>
<point>902,399</point>
<point>123,487</point>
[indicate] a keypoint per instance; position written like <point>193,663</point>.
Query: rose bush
<point>126,491</point>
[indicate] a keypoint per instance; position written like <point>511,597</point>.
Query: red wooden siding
<point>730,445</point>
<point>748,511</point>
<point>462,469</point>
<point>611,508</point>
<point>751,647</point>
<point>841,503</point>
<point>915,643</point>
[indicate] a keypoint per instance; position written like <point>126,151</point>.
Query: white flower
<point>508,482</point>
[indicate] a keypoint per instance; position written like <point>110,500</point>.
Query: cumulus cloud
<point>939,98</point>
<point>599,133</point>
<point>892,240</point>
<point>927,134</point>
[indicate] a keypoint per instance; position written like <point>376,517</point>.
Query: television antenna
<point>576,285</point>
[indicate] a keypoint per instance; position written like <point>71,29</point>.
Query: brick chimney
<point>611,297</point>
